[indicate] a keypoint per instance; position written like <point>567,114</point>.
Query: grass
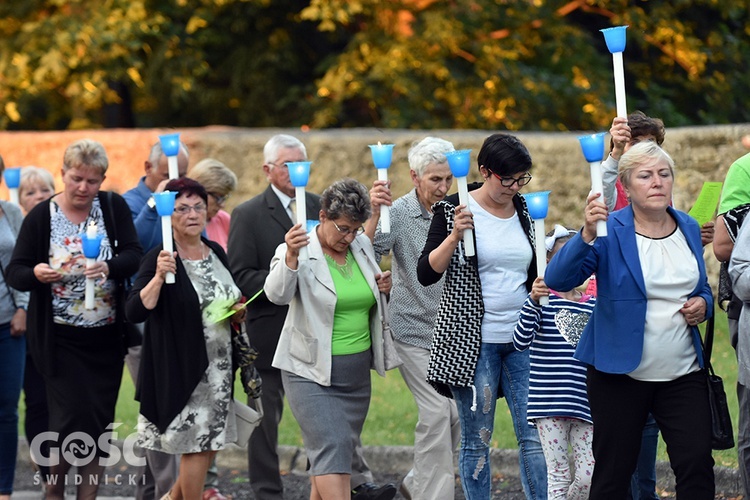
<point>393,413</point>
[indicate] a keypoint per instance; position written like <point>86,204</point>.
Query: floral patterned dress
<point>203,425</point>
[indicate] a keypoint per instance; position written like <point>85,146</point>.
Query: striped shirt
<point>557,381</point>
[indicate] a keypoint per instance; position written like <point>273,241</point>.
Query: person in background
<point>642,342</point>
<point>332,335</point>
<point>186,377</point>
<point>219,182</point>
<point>558,405</point>
<point>733,208</point>
<point>413,309</point>
<point>257,228</point>
<point>35,186</point>
<point>79,351</point>
<point>160,472</point>
<point>472,357</point>
<point>13,306</point>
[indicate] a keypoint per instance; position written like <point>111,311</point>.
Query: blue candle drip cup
<point>299,172</point>
<point>12,177</point>
<point>164,202</point>
<point>170,144</point>
<point>458,161</point>
<point>538,204</point>
<point>615,38</point>
<point>91,246</point>
<point>592,146</point>
<point>382,155</point>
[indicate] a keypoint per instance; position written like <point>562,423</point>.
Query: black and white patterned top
<point>413,307</point>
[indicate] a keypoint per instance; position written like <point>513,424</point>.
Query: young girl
<point>558,405</point>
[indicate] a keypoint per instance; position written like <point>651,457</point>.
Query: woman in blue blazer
<point>642,343</point>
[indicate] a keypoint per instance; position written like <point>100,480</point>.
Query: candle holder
<point>616,40</point>
<point>170,146</point>
<point>592,147</point>
<point>382,155</point>
<point>299,175</point>
<point>12,180</point>
<point>165,207</point>
<point>538,204</point>
<point>458,161</point>
<point>91,246</point>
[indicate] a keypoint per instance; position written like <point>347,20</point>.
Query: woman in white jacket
<point>332,335</point>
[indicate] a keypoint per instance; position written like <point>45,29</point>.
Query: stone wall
<point>700,153</point>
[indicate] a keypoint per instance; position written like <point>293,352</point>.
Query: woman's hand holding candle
<point>595,211</point>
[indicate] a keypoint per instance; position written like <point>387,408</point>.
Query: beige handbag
<point>391,358</point>
<point>246,420</point>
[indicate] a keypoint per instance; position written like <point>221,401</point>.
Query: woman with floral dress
<point>186,374</point>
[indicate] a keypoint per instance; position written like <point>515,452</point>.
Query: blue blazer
<point>613,338</point>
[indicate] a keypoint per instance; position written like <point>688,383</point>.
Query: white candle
<point>89,292</point>
<point>166,237</point>
<point>13,192</point>
<point>463,199</point>
<point>597,186</point>
<point>541,254</point>
<point>385,214</point>
<point>301,207</point>
<point>172,166</point>
<point>619,72</point>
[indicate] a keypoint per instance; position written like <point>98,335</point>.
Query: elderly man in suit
<point>258,226</point>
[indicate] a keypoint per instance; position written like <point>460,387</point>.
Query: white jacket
<point>305,344</point>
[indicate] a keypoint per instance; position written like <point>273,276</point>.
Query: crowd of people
<point>600,372</point>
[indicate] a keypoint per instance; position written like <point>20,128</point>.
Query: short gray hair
<point>214,176</point>
<point>86,153</point>
<point>428,151</point>
<point>346,198</point>
<point>32,174</point>
<point>279,142</point>
<point>157,152</point>
<point>643,153</point>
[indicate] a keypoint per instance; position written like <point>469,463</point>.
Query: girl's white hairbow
<point>560,232</point>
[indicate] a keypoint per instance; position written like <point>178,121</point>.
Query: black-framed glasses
<point>346,231</point>
<point>509,181</point>
<point>185,209</point>
<point>220,200</point>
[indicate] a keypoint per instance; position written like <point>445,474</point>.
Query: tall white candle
<point>463,198</point>
<point>172,166</point>
<point>597,186</point>
<point>13,192</point>
<point>166,237</point>
<point>385,213</point>
<point>541,254</point>
<point>89,291</point>
<point>619,73</point>
<point>299,199</point>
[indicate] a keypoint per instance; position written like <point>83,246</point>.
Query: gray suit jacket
<point>257,227</point>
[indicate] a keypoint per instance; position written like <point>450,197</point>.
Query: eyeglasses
<point>220,200</point>
<point>509,181</point>
<point>185,209</point>
<point>346,231</point>
<point>280,165</point>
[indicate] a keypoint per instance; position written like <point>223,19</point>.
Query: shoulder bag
<point>722,435</point>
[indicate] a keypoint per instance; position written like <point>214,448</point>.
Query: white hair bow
<point>560,232</point>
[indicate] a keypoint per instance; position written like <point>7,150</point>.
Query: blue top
<point>557,381</point>
<point>145,218</point>
<point>613,339</point>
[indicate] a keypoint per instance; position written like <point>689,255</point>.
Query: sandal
<point>213,494</point>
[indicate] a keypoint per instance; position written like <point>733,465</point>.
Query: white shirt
<point>670,273</point>
<point>285,202</point>
<point>504,255</point>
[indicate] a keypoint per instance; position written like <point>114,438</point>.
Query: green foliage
<point>488,64</point>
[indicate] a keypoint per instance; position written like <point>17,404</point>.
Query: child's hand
<point>539,289</point>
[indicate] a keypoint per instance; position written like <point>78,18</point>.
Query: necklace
<point>345,269</point>
<point>184,252</point>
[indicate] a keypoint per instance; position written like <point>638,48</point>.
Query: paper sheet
<point>707,202</point>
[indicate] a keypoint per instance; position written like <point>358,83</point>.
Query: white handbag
<point>246,420</point>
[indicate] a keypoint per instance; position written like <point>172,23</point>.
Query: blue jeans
<point>643,482</point>
<point>499,366</point>
<point>12,360</point>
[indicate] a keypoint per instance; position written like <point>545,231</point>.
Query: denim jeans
<point>12,360</point>
<point>643,482</point>
<point>498,366</point>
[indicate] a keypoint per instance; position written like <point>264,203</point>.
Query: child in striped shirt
<point>558,405</point>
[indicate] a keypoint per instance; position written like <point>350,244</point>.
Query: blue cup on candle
<point>170,144</point>
<point>537,204</point>
<point>91,245</point>
<point>615,38</point>
<point>164,202</point>
<point>458,161</point>
<point>592,146</point>
<point>12,177</point>
<point>382,155</point>
<point>299,172</point>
